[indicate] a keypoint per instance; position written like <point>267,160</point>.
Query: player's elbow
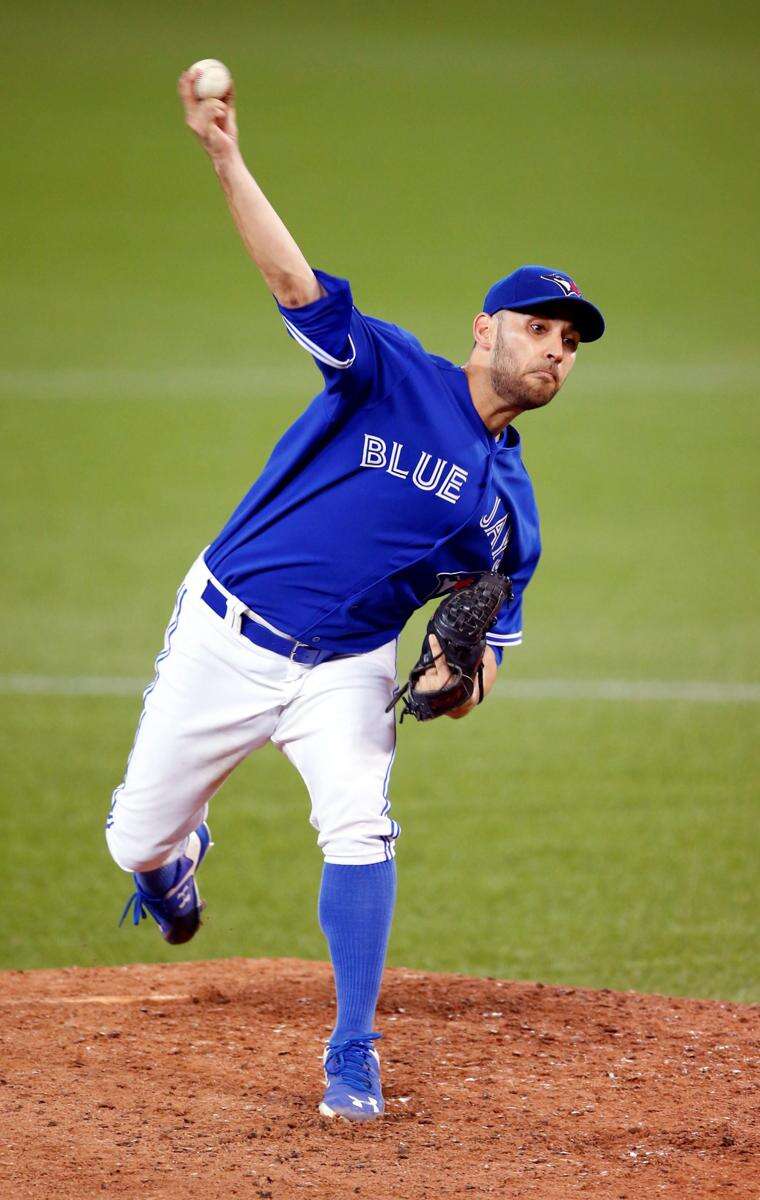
<point>294,291</point>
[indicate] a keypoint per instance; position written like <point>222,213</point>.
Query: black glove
<point>460,623</point>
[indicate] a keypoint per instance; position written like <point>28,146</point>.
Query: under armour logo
<point>357,1103</point>
<point>184,896</point>
<point>568,286</point>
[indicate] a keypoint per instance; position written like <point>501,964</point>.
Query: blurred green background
<point>421,150</point>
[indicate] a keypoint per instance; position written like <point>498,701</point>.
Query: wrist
<point>225,161</point>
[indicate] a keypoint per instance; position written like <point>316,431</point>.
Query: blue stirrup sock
<point>355,913</point>
<point>156,883</point>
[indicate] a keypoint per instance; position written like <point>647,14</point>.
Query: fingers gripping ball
<point>460,624</point>
<point>212,119</point>
<point>212,81</point>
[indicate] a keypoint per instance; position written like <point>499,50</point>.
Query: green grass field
<point>422,151</point>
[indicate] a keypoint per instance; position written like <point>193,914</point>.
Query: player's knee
<point>122,853</point>
<point>369,842</point>
<point>132,853</point>
<point>353,823</point>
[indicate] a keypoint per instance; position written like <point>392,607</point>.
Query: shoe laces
<point>140,900</point>
<point>353,1061</point>
<point>135,902</point>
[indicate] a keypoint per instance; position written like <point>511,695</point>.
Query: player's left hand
<point>437,676</point>
<point>456,667</point>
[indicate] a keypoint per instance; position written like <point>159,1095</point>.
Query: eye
<point>537,327</point>
<point>572,343</point>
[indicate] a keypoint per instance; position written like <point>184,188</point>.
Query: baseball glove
<point>460,624</point>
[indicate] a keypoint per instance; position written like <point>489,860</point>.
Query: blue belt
<point>297,652</point>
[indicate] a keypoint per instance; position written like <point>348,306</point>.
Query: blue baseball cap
<point>532,288</point>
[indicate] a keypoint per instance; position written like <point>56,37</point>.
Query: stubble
<point>517,389</point>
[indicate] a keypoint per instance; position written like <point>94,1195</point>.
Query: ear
<point>484,329</point>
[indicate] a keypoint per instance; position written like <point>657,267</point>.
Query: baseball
<point>213,81</point>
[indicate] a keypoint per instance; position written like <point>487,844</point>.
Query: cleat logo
<point>357,1103</point>
<point>184,896</point>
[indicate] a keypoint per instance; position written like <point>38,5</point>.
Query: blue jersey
<point>386,491</point>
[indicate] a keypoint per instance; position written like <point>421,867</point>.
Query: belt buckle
<point>303,646</point>
<point>233,618</point>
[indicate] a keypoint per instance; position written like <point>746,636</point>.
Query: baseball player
<point>401,480</point>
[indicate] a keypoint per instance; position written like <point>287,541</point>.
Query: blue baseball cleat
<point>178,911</point>
<point>352,1075</point>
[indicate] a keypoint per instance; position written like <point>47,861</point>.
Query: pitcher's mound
<point>203,1079</point>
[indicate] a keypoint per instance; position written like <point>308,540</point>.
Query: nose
<point>556,351</point>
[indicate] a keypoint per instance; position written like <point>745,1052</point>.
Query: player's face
<point>531,357</point>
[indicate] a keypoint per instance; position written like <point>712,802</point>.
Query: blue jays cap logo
<point>566,285</point>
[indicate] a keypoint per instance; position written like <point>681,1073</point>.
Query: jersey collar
<point>508,439</point>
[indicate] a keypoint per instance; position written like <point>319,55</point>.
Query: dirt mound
<point>202,1080</point>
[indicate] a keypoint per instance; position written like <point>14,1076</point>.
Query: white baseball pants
<point>215,698</point>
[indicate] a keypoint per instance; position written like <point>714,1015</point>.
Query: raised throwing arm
<point>286,272</point>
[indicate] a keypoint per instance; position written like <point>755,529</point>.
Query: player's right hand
<point>212,121</point>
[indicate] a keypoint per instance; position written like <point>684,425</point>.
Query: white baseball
<point>213,81</point>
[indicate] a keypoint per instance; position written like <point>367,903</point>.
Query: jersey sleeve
<point>356,354</point>
<point>508,630</point>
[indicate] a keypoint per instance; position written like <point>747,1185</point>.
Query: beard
<point>520,389</point>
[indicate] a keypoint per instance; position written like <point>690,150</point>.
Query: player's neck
<point>494,412</point>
